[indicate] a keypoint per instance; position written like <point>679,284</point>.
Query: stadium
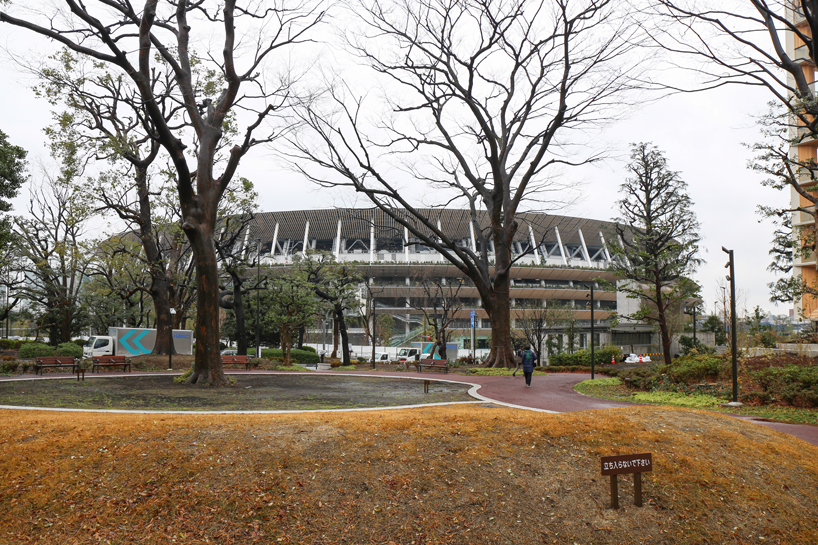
<point>558,259</point>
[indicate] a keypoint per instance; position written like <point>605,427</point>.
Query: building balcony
<point>798,14</point>
<point>802,55</point>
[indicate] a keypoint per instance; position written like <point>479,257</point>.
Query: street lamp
<point>734,342</point>
<point>171,314</point>
<point>592,328</point>
<point>258,301</point>
<point>693,308</point>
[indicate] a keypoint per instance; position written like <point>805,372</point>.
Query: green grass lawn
<point>612,388</point>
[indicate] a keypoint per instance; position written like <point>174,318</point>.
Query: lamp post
<point>171,314</point>
<point>592,328</point>
<point>693,312</point>
<point>258,301</point>
<point>734,341</point>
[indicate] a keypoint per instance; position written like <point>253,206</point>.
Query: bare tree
<point>440,303</point>
<point>336,284</point>
<point>744,42</point>
<point>537,321</point>
<point>483,99</point>
<point>103,118</point>
<point>113,292</point>
<point>147,43</point>
<point>236,257</point>
<point>56,260</point>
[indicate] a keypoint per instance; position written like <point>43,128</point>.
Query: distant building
<point>561,255</point>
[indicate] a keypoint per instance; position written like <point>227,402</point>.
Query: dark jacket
<point>529,359</point>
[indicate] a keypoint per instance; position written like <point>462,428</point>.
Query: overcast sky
<point>701,136</point>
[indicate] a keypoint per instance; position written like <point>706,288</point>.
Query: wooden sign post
<point>628,463</point>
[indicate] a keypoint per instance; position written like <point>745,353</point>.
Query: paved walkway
<point>552,393</point>
<point>555,393</point>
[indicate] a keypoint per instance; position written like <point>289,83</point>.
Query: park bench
<point>432,364</point>
<point>236,360</point>
<point>54,361</point>
<point>110,361</point>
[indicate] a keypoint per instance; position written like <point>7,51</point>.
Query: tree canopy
<point>656,240</point>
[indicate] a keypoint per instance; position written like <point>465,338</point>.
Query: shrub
<point>299,356</point>
<point>69,349</point>
<point>80,342</point>
<point>181,379</point>
<point>697,368</point>
<point>309,349</point>
<point>6,344</point>
<point>7,366</point>
<point>640,378</point>
<point>603,354</point>
<point>35,349</point>
<point>767,339</point>
<point>794,384</point>
<point>690,345</point>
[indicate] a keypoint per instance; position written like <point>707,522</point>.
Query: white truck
<point>134,341</point>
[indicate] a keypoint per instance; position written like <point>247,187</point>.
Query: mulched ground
<point>250,392</point>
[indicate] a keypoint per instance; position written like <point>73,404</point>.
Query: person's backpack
<point>528,357</point>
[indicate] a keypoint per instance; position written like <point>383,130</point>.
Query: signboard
<point>472,318</point>
<point>628,463</point>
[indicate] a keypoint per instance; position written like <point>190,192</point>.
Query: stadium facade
<point>559,257</point>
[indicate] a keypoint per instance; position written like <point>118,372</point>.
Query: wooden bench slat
<point>110,361</point>
<point>54,361</point>
<point>237,360</point>
<point>432,364</point>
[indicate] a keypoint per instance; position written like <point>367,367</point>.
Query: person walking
<point>528,360</point>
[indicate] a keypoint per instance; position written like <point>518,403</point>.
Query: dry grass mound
<point>424,476</point>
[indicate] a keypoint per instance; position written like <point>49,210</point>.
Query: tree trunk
<point>207,369</point>
<point>441,343</point>
<point>334,339</point>
<point>664,333</point>
<point>498,308</point>
<point>342,327</point>
<point>160,293</point>
<point>285,344</point>
<point>238,313</point>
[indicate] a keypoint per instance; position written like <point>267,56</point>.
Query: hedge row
<point>299,356</point>
<point>602,355</point>
<point>9,344</point>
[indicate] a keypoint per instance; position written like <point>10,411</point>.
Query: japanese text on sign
<point>629,463</point>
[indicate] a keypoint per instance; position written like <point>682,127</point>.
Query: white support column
<point>440,240</point>
<point>622,244</point>
<point>474,240</point>
<point>605,248</point>
<point>306,238</point>
<point>244,242</point>
<point>584,248</point>
<point>533,243</point>
<point>274,243</point>
<point>559,243</point>
<point>371,243</point>
<point>338,242</point>
<point>406,243</point>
